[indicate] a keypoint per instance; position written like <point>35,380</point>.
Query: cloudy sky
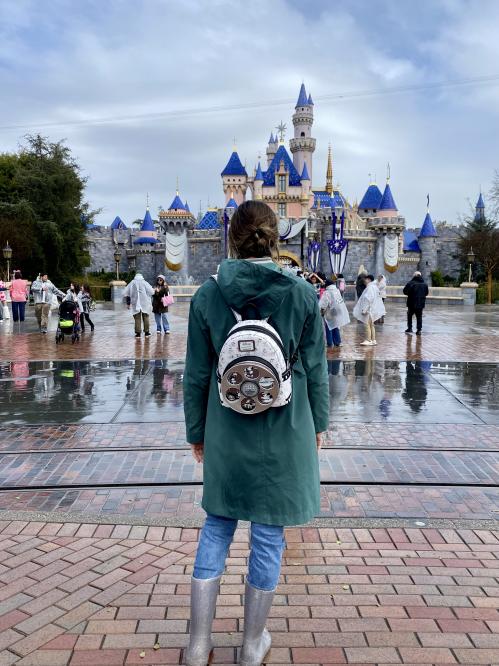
<point>147,90</point>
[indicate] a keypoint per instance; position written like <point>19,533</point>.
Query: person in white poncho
<point>368,309</point>
<point>335,314</point>
<point>138,298</point>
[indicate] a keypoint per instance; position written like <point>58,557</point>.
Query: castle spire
<point>329,173</point>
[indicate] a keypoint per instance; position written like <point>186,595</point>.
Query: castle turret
<point>235,179</point>
<point>387,206</point>
<point>427,241</point>
<point>480,210</point>
<point>147,234</point>
<point>303,145</point>
<point>231,206</point>
<point>370,202</point>
<point>258,183</point>
<point>305,189</point>
<point>272,148</point>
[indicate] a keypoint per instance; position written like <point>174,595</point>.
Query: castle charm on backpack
<point>253,371</point>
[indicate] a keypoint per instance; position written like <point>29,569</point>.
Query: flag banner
<point>226,233</point>
<point>314,256</point>
<point>175,246</point>
<point>338,245</point>
<point>391,252</point>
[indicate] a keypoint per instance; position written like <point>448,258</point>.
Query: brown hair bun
<point>253,231</point>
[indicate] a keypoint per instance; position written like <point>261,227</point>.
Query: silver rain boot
<point>203,602</point>
<point>256,639</point>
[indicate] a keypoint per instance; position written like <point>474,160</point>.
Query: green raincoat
<point>264,467</point>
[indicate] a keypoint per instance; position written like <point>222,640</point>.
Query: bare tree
<point>494,196</point>
<point>485,244</point>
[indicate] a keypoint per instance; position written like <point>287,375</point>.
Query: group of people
<point>369,308</point>
<point>142,299</point>
<point>45,297</point>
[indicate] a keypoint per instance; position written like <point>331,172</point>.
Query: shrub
<point>437,279</point>
<point>481,293</point>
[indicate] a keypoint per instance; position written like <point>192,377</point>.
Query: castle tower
<point>272,148</point>
<point>305,188</point>
<point>230,207</point>
<point>329,173</point>
<point>480,210</point>
<point>258,183</point>
<point>427,240</point>
<point>303,145</point>
<point>147,236</point>
<point>235,179</point>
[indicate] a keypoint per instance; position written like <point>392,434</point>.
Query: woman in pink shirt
<point>18,295</point>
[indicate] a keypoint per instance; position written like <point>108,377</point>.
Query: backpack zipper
<point>261,329</point>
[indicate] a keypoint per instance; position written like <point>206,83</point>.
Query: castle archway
<point>289,259</point>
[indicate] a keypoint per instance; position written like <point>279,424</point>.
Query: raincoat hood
<point>248,284</point>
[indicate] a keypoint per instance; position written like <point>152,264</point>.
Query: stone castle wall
<point>205,251</point>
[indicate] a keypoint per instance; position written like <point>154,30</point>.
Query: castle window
<point>282,183</point>
<point>302,134</point>
<point>281,209</point>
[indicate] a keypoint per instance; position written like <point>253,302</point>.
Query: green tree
<point>43,214</point>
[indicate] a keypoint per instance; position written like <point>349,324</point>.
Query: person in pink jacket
<point>18,295</point>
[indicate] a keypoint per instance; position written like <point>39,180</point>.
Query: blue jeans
<point>266,544</point>
<point>333,336</point>
<point>161,318</point>
<point>18,308</point>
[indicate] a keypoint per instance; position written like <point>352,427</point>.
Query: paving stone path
<point>117,594</point>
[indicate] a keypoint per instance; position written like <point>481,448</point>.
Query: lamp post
<point>7,255</point>
<point>117,258</point>
<point>471,260</point>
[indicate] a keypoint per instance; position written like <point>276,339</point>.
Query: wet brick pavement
<point>75,594</point>
<point>450,334</point>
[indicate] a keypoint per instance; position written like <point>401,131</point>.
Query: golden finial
<point>387,172</point>
<point>234,144</point>
<point>147,201</point>
<point>176,189</point>
<point>329,172</point>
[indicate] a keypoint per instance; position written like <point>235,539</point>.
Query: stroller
<point>69,321</point>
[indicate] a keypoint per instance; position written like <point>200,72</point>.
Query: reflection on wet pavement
<point>367,391</point>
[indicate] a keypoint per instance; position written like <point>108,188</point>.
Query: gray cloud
<point>64,61</point>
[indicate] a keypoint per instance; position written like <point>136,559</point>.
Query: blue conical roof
<point>234,167</point>
<point>186,207</point>
<point>259,174</point>
<point>177,204</point>
<point>372,198</point>
<point>147,224</point>
<point>427,230</point>
<point>387,201</point>
<point>209,221</point>
<point>304,173</point>
<point>281,155</point>
<point>310,100</point>
<point>479,203</point>
<point>118,223</point>
<point>231,203</point>
<point>271,139</point>
<point>410,242</point>
<point>302,97</point>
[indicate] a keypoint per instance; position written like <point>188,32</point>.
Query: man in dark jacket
<point>416,291</point>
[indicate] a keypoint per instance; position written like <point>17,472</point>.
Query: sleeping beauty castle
<point>319,228</point>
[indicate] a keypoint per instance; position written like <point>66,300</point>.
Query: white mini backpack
<point>253,371</point>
